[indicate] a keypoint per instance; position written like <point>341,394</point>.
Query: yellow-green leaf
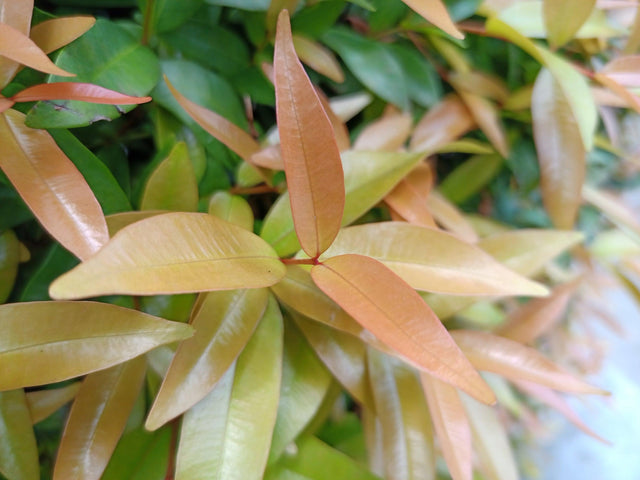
<point>436,12</point>
<point>432,260</point>
<point>232,208</point>
<point>224,322</point>
<point>43,403</point>
<point>309,149</point>
<point>390,309</point>
<point>97,420</point>
<point>18,449</point>
<point>117,221</point>
<point>318,57</point>
<point>174,253</point>
<point>52,187</point>
<point>53,34</point>
<point>563,18</point>
<point>9,260</point>
<point>172,185</point>
<point>42,341</point>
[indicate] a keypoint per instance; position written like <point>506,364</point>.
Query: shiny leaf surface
<point>387,133</point>
<point>43,403</point>
<point>52,34</point>
<point>18,449</point>
<point>436,12</point>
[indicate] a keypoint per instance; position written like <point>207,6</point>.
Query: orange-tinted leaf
<point>174,253</point>
<point>409,204</point>
<point>515,361</point>
<point>5,104</point>
<point>318,57</point>
<point>16,46</point>
<point>18,449</point>
<point>16,13</point>
<point>224,322</point>
<point>43,403</point>
<point>219,127</point>
<point>447,121</point>
<point>52,34</point>
<point>450,218</point>
<point>615,209</point>
<point>561,152</point>
<point>388,133</point>
<point>268,157</point>
<point>436,13</point>
<point>86,92</point>
<point>311,157</point>
<point>563,18</point>
<point>97,420</point>
<point>451,425</point>
<point>51,186</point>
<point>339,128</point>
<point>390,309</point>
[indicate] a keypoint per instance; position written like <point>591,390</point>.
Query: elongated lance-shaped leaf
<point>450,218</point>
<point>224,322</point>
<point>97,420</point>
<point>513,360</point>
<point>51,186</point>
<point>42,341</point>
<point>448,265</point>
<point>451,425</point>
<point>318,57</point>
<point>563,18</point>
<point>52,34</point>
<point>219,127</point>
<point>436,12</point>
<point>174,253</point>
<point>86,92</point>
<point>311,157</point>
<point>16,46</point>
<point>388,133</point>
<point>141,455</point>
<point>390,309</point>
<point>486,116</point>
<point>18,15</point>
<point>18,449</point>
<point>227,434</point>
<point>43,403</point>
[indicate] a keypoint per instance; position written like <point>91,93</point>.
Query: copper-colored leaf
<point>514,360</point>
<point>18,449</point>
<point>52,186</point>
<point>52,34</point>
<point>318,57</point>
<point>388,133</point>
<point>86,92</point>
<point>16,46</point>
<point>621,214</point>
<point>451,426</point>
<point>436,12</point>
<point>42,341</point>
<point>450,218</point>
<point>410,205</point>
<point>43,403</point>
<point>224,322</point>
<point>312,161</point>
<point>97,420</point>
<point>16,13</point>
<point>174,253</point>
<point>385,305</point>
<point>339,128</point>
<point>563,18</point>
<point>486,116</point>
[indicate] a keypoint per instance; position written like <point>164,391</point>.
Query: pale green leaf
<point>232,208</point>
<point>18,449</point>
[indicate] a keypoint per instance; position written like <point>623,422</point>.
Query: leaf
<point>232,208</point>
<point>513,360</point>
<point>561,153</point>
<point>42,341</point>
<point>452,219</point>
<point>218,126</point>
<point>436,12</point>
<point>422,81</point>
<point>614,209</point>
<point>53,34</point>
<point>172,185</point>
<point>9,260</point>
<point>43,403</point>
<point>140,455</point>
<point>16,14</point>
<point>451,425</point>
<point>564,18</point>
<point>85,92</point>
<point>16,46</point>
<point>97,420</point>
<point>318,57</point>
<point>387,133</point>
<point>407,433</point>
<point>470,178</point>
<point>410,204</point>
<point>386,306</point>
<point>174,253</point>
<point>224,323</point>
<point>448,265</point>
<point>166,15</point>
<point>487,118</point>
<point>236,419</point>
<point>309,150</point>
<point>51,185</point>
<point>18,449</point>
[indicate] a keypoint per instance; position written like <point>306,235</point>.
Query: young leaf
<point>385,305</point>
<point>97,420</point>
<point>42,341</point>
<point>486,116</point>
<point>174,253</point>
<point>43,403</point>
<point>18,449</point>
<point>53,34</point>
<point>232,208</point>
<point>9,260</point>
<point>17,14</point>
<point>563,18</point>
<point>436,12</point>
<point>450,218</point>
<point>224,323</point>
<point>318,58</point>
<point>387,134</point>
<point>86,92</point>
<point>309,149</point>
<point>51,185</point>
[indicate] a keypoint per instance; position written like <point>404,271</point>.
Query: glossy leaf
<point>18,449</point>
<point>85,92</point>
<point>166,15</point>
<point>436,12</point>
<point>224,322</point>
<point>42,340</point>
<point>513,360</point>
<point>16,14</point>
<point>174,253</point>
<point>448,265</point>
<point>52,186</point>
<point>390,309</point>
<point>564,18</point>
<point>236,419</point>
<point>232,208</point>
<point>309,149</point>
<point>318,58</point>
<point>53,34</point>
<point>451,425</point>
<point>97,419</point>
<point>43,403</point>
<point>9,260</point>
<point>118,221</point>
<point>172,185</point>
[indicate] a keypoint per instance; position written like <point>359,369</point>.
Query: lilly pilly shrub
<point>252,324</point>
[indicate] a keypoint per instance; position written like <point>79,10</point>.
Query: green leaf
<point>470,177</point>
<point>18,449</point>
<point>55,262</point>
<point>108,56</point>
<point>422,81</point>
<point>166,15</point>
<point>232,208</point>
<point>9,260</point>
<point>140,455</point>
<point>42,341</point>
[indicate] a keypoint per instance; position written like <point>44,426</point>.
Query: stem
<point>172,451</point>
<point>146,26</point>
<point>300,261</point>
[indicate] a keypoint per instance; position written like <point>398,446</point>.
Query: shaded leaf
<point>309,150</point>
<point>340,130</point>
<point>564,18</point>
<point>385,305</point>
<point>410,204</point>
<point>97,420</point>
<point>470,178</point>
<point>450,218</point>
<point>486,116</point>
<point>224,322</point>
<point>52,34</point>
<point>85,92</point>
<point>9,260</point>
<point>232,208</point>
<point>387,133</point>
<point>436,12</point>
<point>18,449</point>
<point>118,221</point>
<point>140,455</point>
<point>51,185</point>
<point>43,403</point>
<point>42,340</point>
<point>318,57</point>
<point>174,253</point>
<point>167,15</point>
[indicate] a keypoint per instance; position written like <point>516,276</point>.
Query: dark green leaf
<point>423,83</point>
<point>167,15</point>
<point>140,455</point>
